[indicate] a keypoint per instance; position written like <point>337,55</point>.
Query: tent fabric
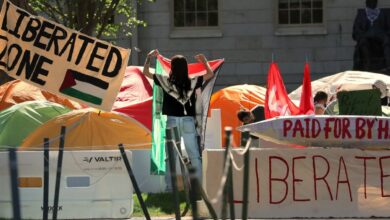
<point>140,111</point>
<point>135,88</point>
<point>16,91</point>
<point>230,100</point>
<point>135,96</point>
<point>18,121</point>
<point>343,81</point>
<point>91,129</point>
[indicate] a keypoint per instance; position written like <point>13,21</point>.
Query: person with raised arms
<point>179,100</point>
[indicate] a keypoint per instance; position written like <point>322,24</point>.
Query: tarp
<point>231,99</point>
<point>59,59</point>
<point>135,96</point>
<point>347,81</point>
<point>89,129</point>
<point>16,91</point>
<point>18,121</point>
<point>163,66</point>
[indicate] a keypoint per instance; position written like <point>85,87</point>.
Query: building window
<point>300,17</point>
<point>300,12</point>
<point>195,13</point>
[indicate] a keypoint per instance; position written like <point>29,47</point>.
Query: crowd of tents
<point>29,114</point>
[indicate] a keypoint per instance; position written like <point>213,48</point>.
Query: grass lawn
<point>159,204</point>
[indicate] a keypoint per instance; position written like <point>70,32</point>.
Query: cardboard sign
<point>308,183</point>
<point>58,59</point>
<point>325,131</point>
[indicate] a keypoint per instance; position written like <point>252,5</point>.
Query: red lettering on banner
<point>383,175</point>
<point>365,172</point>
<point>359,128</point>
<point>298,128</point>
<point>341,162</point>
<point>296,179</point>
<point>257,181</point>
<point>337,128</point>
<point>323,178</point>
<point>287,125</point>
<point>271,179</point>
<point>307,126</point>
<point>327,127</point>
<point>315,128</point>
<point>346,132</point>
<point>370,125</point>
<point>383,129</point>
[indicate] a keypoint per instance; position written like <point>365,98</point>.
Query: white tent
<point>347,81</point>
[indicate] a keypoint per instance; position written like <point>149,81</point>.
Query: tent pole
<point>45,214</point>
<point>134,182</point>
<point>59,170</point>
<point>13,166</point>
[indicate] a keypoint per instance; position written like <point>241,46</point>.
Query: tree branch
<point>61,10</point>
<point>107,15</point>
<point>24,4</point>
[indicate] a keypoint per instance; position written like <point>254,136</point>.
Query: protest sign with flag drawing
<point>60,60</point>
<point>85,87</point>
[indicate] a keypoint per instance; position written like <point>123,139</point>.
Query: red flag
<point>306,105</point>
<point>277,102</point>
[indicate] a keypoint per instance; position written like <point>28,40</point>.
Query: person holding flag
<point>179,97</point>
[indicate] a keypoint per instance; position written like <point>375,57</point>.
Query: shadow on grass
<point>159,204</point>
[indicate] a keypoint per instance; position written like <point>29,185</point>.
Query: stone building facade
<point>249,34</point>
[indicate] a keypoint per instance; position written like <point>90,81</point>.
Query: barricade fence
<point>193,189</point>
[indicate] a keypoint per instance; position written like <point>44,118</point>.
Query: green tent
<point>18,121</point>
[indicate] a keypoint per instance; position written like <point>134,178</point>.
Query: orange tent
<point>16,91</point>
<point>89,129</point>
<point>230,100</point>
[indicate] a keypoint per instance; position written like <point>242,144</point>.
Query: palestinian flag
<point>163,66</point>
<point>84,87</point>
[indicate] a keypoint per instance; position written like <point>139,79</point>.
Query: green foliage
<point>99,18</point>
